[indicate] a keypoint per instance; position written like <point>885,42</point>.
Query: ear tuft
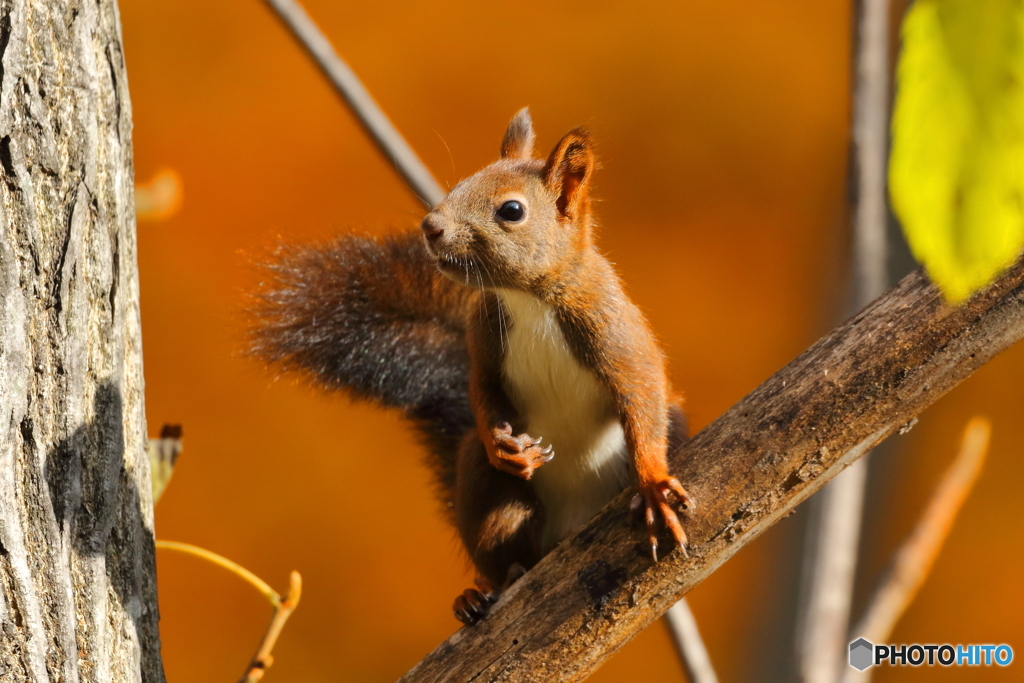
<point>568,171</point>
<point>518,141</point>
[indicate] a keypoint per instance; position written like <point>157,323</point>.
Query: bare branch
<point>870,150</point>
<point>914,560</point>
<point>389,141</point>
<point>828,573</point>
<point>283,607</point>
<point>262,660</point>
<point>917,555</point>
<point>834,534</point>
<point>746,470</point>
<point>238,570</point>
<point>689,645</point>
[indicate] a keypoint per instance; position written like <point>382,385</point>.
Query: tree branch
<point>746,470</point>
<point>870,152</point>
<point>283,607</point>
<point>376,123</point>
<point>263,658</point>
<point>689,645</point>
<point>914,559</point>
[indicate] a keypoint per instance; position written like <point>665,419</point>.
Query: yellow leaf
<point>956,173</point>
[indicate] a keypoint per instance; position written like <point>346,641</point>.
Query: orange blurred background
<point>722,131</point>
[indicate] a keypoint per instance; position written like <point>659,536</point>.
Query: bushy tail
<point>373,317</point>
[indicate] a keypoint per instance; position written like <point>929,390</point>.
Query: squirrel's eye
<point>511,211</point>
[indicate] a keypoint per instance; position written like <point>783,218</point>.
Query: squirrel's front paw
<point>654,500</point>
<point>517,455</point>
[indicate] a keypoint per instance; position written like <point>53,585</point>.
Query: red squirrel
<point>536,384</point>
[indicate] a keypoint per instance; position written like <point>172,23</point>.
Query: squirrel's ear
<point>568,172</point>
<point>518,141</point>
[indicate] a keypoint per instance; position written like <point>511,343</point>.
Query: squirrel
<point>536,385</point>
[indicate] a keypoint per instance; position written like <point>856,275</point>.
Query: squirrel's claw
<point>655,503</point>
<point>474,603</point>
<point>673,485</point>
<point>517,455</point>
<point>652,531</point>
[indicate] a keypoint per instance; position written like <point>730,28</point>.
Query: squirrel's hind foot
<point>653,502</point>
<point>474,603</point>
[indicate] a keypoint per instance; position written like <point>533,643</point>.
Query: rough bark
<point>746,470</point>
<point>77,570</point>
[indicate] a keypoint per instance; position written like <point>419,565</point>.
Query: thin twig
<point>913,561</point>
<point>831,559</point>
<point>283,607</point>
<point>263,658</point>
<point>689,644</point>
<point>221,561</point>
<point>870,152</point>
<point>828,573</point>
<point>347,83</point>
<point>917,555</point>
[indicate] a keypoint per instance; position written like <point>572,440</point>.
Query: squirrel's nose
<point>432,228</point>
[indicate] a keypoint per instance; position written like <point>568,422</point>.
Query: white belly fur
<point>567,405</point>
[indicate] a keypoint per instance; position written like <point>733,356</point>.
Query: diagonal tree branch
<point>746,470</point>
<point>376,123</point>
<point>914,559</point>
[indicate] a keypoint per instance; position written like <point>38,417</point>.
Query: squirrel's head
<point>519,221</point>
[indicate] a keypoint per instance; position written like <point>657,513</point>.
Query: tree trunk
<point>77,570</point>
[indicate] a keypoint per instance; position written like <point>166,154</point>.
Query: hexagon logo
<point>861,654</point>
